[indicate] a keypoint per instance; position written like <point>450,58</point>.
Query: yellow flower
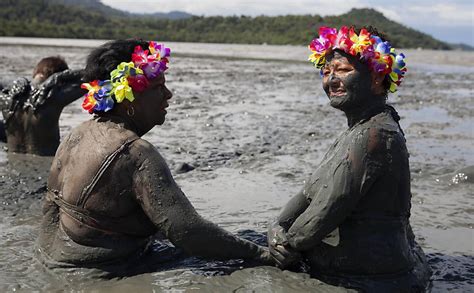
<point>360,42</point>
<point>318,59</point>
<point>123,91</point>
<point>125,69</point>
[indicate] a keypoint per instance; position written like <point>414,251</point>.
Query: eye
<point>344,69</point>
<point>158,86</point>
<point>326,72</point>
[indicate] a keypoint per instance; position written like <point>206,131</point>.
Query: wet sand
<point>255,129</point>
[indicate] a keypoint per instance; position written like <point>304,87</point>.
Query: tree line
<point>42,18</point>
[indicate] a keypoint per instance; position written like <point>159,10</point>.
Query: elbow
<point>306,234</point>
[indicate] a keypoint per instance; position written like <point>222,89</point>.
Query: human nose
<point>332,79</point>
<point>168,93</point>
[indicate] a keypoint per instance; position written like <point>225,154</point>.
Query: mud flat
<point>254,129</point>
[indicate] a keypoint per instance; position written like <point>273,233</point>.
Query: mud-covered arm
<point>290,212</point>
<point>5,99</point>
<point>3,135</point>
<point>350,181</point>
<point>4,104</point>
<point>14,95</point>
<point>172,213</point>
<point>282,253</point>
<point>61,88</point>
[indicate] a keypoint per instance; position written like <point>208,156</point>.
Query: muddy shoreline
<point>253,130</point>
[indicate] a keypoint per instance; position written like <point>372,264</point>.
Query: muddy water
<point>254,130</point>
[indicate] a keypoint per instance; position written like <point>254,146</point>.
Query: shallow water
<point>254,130</point>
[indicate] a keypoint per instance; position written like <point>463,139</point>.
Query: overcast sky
<point>450,21</point>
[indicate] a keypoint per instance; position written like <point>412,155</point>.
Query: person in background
<point>31,109</point>
<point>350,222</point>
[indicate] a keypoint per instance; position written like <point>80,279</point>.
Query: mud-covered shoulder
<point>146,156</point>
<point>143,149</point>
<point>385,121</point>
<point>380,135</point>
<point>380,139</point>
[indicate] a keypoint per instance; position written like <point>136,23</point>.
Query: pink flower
<point>342,40</point>
<point>320,45</point>
<point>159,50</point>
<point>139,56</point>
<point>326,32</point>
<point>138,82</point>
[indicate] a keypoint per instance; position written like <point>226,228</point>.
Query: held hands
<point>280,250</point>
<point>265,257</point>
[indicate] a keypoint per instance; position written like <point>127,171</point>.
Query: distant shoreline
<point>247,51</point>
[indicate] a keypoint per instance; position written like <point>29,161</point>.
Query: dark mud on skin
<point>253,131</point>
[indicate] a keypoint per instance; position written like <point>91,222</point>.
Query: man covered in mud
<point>31,109</point>
<point>110,193</point>
<point>350,222</point>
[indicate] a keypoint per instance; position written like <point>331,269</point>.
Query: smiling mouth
<point>337,93</point>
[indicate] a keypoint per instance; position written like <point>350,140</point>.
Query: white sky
<point>450,21</point>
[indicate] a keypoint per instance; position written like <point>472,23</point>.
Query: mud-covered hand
<point>284,256</point>
<point>264,256</point>
<point>281,252</point>
<point>276,235</point>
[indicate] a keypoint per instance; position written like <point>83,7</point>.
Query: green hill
<point>59,18</point>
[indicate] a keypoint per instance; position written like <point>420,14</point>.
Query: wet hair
<point>50,65</point>
<point>102,60</point>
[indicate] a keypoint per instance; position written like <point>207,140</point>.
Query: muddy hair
<point>102,60</point>
<point>373,31</point>
<point>50,65</point>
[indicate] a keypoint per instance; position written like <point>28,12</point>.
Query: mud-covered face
<point>346,81</point>
<point>150,106</point>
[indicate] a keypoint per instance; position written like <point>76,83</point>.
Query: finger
<point>279,263</point>
<point>284,260</point>
<point>272,240</point>
<point>286,256</point>
<point>283,250</point>
<point>277,255</point>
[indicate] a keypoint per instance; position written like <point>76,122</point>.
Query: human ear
<point>377,82</point>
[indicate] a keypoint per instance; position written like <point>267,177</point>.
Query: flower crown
<point>379,55</point>
<point>134,75</point>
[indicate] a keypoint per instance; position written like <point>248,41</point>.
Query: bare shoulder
<point>143,145</point>
<point>150,167</point>
<point>145,153</point>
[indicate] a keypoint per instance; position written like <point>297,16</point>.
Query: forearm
<point>65,87</point>
<point>291,211</point>
<point>172,213</point>
<point>198,236</point>
<point>71,93</point>
<point>309,231</point>
<point>327,211</point>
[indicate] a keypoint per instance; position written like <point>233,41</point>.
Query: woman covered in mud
<point>350,222</point>
<point>110,193</point>
<point>31,109</point>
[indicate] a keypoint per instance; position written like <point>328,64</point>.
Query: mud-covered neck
<point>128,122</point>
<point>365,112</point>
